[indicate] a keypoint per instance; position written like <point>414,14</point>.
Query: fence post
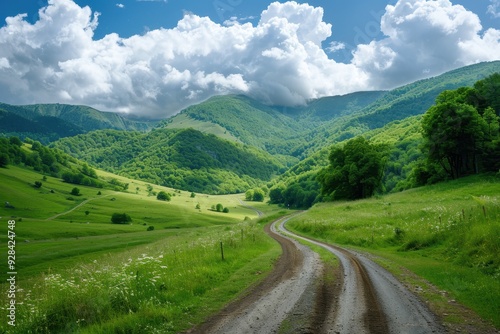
<point>222,251</point>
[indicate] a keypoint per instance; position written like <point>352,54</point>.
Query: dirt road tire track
<point>286,268</point>
<point>296,297</point>
<point>373,300</point>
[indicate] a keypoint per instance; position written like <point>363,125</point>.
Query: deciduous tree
<point>163,196</point>
<point>120,218</point>
<point>454,133</point>
<point>355,170</point>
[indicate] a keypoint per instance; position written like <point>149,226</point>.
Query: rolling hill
<point>179,158</point>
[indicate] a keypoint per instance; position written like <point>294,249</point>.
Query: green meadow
<point>448,234</point>
<point>78,272</point>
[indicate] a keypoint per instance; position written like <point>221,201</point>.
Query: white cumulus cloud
<point>280,60</point>
<point>425,38</point>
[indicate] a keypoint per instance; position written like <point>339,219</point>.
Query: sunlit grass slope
<point>53,225</point>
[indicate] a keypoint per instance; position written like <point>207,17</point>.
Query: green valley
<point>66,245</point>
<point>180,158</point>
<point>126,225</point>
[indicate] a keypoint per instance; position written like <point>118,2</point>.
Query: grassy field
<point>78,272</point>
<point>449,234</point>
<point>53,227</point>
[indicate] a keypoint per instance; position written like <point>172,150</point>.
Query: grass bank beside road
<point>448,234</point>
<point>163,287</point>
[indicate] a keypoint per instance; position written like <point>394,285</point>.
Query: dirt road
<point>297,298</point>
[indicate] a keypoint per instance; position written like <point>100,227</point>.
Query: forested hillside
<point>48,161</point>
<point>331,107</point>
<point>253,123</point>
<point>49,122</point>
<point>184,159</point>
<point>458,135</point>
<point>406,101</point>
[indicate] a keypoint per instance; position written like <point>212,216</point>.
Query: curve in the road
<point>266,306</point>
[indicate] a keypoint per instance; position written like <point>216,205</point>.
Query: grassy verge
<point>448,234</point>
<point>54,232</point>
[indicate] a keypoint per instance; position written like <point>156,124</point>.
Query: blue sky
<point>353,21</point>
<point>112,55</point>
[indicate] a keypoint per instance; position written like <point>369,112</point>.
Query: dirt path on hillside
<point>298,297</point>
<point>76,207</point>
<point>259,213</point>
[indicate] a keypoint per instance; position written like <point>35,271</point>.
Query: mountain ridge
<point>49,122</point>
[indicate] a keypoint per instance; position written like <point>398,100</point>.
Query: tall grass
<point>466,226</point>
<point>162,288</point>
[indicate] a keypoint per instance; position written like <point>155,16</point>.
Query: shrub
<point>226,210</point>
<point>258,195</point>
<point>75,191</point>
<point>249,195</point>
<point>150,228</point>
<point>38,184</point>
<point>120,218</point>
<point>4,160</point>
<point>219,207</point>
<point>163,196</point>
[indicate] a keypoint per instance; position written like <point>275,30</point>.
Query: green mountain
<point>332,107</point>
<point>300,131</point>
<point>278,130</point>
<point>49,122</point>
<point>42,128</point>
<point>179,158</point>
<point>246,120</point>
<point>406,101</point>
